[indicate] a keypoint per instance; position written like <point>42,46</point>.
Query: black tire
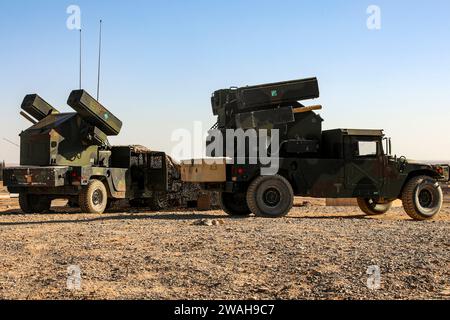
<point>137,203</point>
<point>270,196</point>
<point>93,198</point>
<point>73,203</point>
<point>422,198</point>
<point>234,204</point>
<point>159,201</point>
<point>373,208</point>
<point>110,204</point>
<point>30,203</point>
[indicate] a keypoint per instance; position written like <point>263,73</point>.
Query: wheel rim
<point>372,204</point>
<point>426,198</point>
<point>376,204</point>
<point>272,197</point>
<point>97,197</point>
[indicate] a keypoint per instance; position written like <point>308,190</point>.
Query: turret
<point>67,139</point>
<point>273,106</point>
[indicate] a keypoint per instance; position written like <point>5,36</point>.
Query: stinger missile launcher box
<point>67,138</point>
<point>37,107</point>
<point>273,106</point>
<point>226,103</point>
<point>94,113</point>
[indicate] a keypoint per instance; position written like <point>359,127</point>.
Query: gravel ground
<point>317,252</point>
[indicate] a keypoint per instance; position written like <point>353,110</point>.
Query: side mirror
<point>390,146</point>
<point>402,162</point>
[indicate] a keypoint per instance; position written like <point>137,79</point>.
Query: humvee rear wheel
<point>373,207</point>
<point>270,196</point>
<point>30,203</point>
<point>159,201</point>
<point>110,204</point>
<point>93,198</point>
<point>73,203</point>
<point>234,204</point>
<point>137,203</point>
<point>422,198</point>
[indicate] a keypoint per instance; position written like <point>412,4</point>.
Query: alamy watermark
<point>374,19</point>
<point>374,279</point>
<point>73,277</point>
<point>252,146</point>
<point>73,21</point>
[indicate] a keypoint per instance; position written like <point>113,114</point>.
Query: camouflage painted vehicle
<point>68,155</point>
<point>341,163</point>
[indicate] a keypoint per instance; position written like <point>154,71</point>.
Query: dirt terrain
<point>317,252</point>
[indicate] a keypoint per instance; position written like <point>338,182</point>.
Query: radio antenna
<point>99,60</point>
<point>80,57</point>
<point>10,142</point>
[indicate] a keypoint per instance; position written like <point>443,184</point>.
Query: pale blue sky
<point>163,59</point>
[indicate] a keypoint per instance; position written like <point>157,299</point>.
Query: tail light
<point>238,171</point>
<point>75,178</point>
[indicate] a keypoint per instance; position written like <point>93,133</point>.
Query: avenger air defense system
<point>311,162</point>
<point>68,155</point>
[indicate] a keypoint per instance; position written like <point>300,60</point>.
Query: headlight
<point>443,171</point>
<point>446,173</point>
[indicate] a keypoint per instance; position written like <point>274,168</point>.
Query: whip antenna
<point>80,57</point>
<point>99,60</point>
<point>10,142</point>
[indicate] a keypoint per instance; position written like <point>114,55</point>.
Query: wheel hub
<point>425,198</point>
<point>97,197</point>
<point>272,197</point>
<point>372,203</point>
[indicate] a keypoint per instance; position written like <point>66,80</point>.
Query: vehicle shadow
<point>116,215</point>
<point>109,216</point>
<point>332,217</point>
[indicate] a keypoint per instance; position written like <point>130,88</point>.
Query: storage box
<point>204,170</point>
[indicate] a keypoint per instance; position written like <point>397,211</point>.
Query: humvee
<point>68,156</point>
<point>340,163</point>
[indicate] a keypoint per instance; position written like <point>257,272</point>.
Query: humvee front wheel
<point>93,197</point>
<point>30,203</point>
<point>372,207</point>
<point>234,204</point>
<point>270,196</point>
<point>422,198</point>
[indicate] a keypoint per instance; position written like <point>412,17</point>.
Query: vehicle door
<point>364,159</point>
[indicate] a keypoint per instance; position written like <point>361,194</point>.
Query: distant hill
<point>436,161</point>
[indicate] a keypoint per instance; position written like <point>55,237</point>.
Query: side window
<point>362,147</point>
<point>367,149</point>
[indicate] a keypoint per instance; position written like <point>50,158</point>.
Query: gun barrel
<point>28,117</point>
<point>307,109</point>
